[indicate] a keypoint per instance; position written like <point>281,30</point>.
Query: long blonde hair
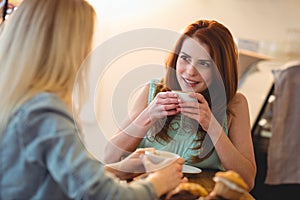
<point>42,46</point>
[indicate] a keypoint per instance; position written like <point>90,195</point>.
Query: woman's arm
<point>236,150</point>
<point>132,131</point>
<point>141,117</point>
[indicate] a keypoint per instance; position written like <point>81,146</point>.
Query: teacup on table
<point>158,156</point>
<point>184,96</point>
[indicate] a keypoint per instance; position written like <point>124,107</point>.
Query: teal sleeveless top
<point>182,131</point>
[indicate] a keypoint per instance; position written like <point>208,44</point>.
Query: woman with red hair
<point>213,131</point>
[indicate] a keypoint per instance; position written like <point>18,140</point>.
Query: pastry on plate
<point>229,185</point>
<point>187,191</point>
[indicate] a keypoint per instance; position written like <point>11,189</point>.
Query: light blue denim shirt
<point>42,157</point>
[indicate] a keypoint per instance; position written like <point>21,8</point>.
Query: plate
<point>187,169</point>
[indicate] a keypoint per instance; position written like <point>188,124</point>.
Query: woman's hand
<point>167,178</point>
<point>130,167</point>
<point>198,111</point>
<point>164,104</point>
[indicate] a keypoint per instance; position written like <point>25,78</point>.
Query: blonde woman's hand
<point>129,167</point>
<point>168,177</point>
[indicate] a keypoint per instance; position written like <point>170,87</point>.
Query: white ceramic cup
<point>158,156</point>
<point>184,96</point>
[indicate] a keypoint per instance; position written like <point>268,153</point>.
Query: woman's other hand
<point>166,178</point>
<point>198,111</point>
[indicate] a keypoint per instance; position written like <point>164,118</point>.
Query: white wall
<point>262,20</point>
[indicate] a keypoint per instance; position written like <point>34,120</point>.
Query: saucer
<point>188,169</point>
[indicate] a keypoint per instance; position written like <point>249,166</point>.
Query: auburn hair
<point>224,54</point>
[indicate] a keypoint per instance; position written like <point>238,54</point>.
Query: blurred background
<point>271,24</point>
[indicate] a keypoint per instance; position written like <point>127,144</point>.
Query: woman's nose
<point>190,69</point>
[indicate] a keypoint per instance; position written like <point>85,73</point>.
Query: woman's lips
<point>190,82</point>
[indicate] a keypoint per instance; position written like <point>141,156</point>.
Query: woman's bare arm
<point>141,117</point>
<point>130,135</point>
<point>236,151</point>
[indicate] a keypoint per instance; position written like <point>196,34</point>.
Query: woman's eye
<point>183,57</point>
<point>204,63</point>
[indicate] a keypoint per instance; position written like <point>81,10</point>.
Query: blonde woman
<point>42,46</point>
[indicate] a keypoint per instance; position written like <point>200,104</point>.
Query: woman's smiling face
<point>194,66</point>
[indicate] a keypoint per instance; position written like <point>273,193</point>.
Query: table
<point>205,178</point>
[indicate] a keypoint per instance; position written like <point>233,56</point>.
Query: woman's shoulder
<point>44,101</point>
<point>146,92</point>
<point>239,105</point>
<point>44,115</point>
<point>44,108</point>
<point>239,109</point>
<point>239,99</point>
